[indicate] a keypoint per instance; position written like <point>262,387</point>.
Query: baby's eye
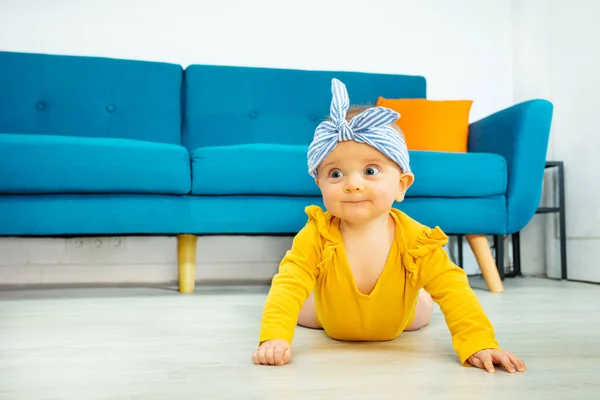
<point>371,171</point>
<point>335,174</point>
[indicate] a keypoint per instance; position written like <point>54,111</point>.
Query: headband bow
<point>371,127</point>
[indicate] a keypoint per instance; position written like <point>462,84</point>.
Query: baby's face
<point>359,183</point>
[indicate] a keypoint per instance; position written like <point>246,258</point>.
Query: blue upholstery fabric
<point>275,169</point>
<point>484,215</point>
<point>252,169</point>
<point>65,164</point>
<point>93,214</point>
<point>238,105</point>
<point>285,215</point>
<point>249,214</point>
<point>520,134</point>
<point>90,96</point>
<point>457,174</point>
<point>155,214</point>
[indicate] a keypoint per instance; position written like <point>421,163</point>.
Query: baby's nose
<point>351,187</point>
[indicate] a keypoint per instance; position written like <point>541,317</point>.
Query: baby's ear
<point>406,180</point>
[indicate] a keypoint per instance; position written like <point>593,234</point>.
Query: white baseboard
<point>122,260</point>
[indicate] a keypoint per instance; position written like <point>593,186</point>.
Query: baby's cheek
<point>330,196</point>
<point>387,195</point>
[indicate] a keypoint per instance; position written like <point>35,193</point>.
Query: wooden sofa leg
<point>186,255</point>
<point>481,248</point>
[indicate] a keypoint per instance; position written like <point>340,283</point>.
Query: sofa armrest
<point>520,134</point>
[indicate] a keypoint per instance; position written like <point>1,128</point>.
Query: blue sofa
<point>94,146</point>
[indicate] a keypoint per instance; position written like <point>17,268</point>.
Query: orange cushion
<point>434,125</point>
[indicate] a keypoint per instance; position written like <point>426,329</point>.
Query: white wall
<point>556,56</point>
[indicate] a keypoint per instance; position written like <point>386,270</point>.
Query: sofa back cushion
<point>226,105</point>
<point>90,96</point>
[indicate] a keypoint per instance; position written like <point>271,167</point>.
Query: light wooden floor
<point>144,343</point>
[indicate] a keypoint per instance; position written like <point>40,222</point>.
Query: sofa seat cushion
<point>448,174</point>
<point>274,169</point>
<point>64,164</point>
<point>252,169</point>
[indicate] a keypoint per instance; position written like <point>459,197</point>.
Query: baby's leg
<point>424,311</point>
<point>307,317</point>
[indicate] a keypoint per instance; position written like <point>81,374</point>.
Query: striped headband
<point>371,127</point>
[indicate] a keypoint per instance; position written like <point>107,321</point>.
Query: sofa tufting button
<point>40,105</point>
<point>252,114</point>
<point>110,108</point>
<point>313,117</point>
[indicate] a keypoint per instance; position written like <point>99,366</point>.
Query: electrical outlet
<point>81,244</point>
<point>76,243</point>
<point>96,242</point>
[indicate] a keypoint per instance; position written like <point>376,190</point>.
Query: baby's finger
<point>517,362</point>
<point>287,356</point>
<point>476,362</point>
<point>503,359</point>
<point>254,358</point>
<point>278,355</point>
<point>269,354</point>
<point>486,359</point>
<point>261,356</point>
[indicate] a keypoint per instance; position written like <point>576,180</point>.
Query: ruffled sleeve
<point>322,220</point>
<point>428,241</point>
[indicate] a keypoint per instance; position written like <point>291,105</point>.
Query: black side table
<point>560,209</point>
<point>498,246</point>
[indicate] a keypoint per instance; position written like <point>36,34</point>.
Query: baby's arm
<point>471,330</point>
<point>289,290</point>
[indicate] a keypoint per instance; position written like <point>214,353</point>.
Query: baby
<point>363,270</point>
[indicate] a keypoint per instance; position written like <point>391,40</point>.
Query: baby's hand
<point>485,359</point>
<point>273,352</point>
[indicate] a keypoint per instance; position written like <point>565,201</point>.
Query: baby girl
<point>363,270</point>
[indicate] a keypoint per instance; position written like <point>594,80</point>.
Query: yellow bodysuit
<point>317,262</point>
